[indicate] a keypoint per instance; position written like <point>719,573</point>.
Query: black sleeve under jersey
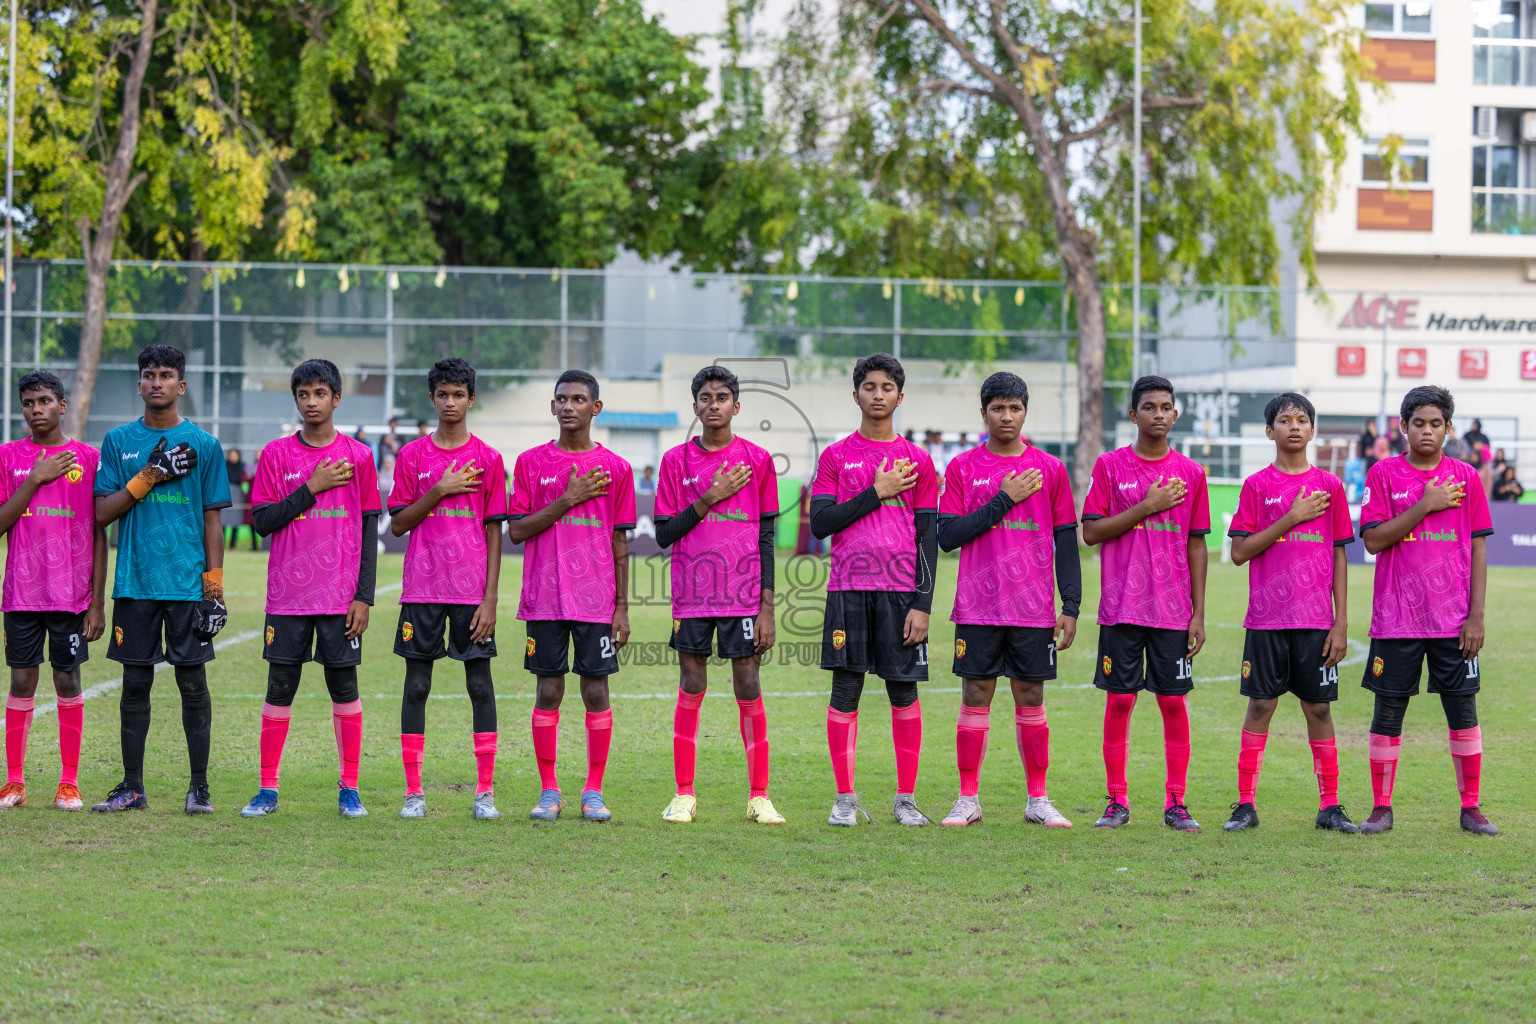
<point>368,567</point>
<point>927,560</point>
<point>273,516</point>
<point>673,528</point>
<point>765,528</point>
<point>828,516</point>
<point>1069,571</point>
<point>957,530</point>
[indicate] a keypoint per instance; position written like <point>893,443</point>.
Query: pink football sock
<point>485,762</point>
<point>1033,734</point>
<point>1384,754</point>
<point>1250,759</point>
<point>413,747</point>
<point>1175,746</point>
<point>754,738</point>
<point>599,735</point>
<point>1325,765</point>
<point>971,733</point>
<point>546,745</point>
<point>907,737</point>
<point>18,725</point>
<point>1467,756</point>
<point>842,740</point>
<point>685,739</point>
<point>348,721</point>
<point>71,711</point>
<point>1117,732</point>
<point>274,733</point>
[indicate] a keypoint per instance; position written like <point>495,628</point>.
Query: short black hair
<point>167,357</point>
<point>1150,383</point>
<point>41,380</point>
<point>1003,384</point>
<point>1288,400</point>
<point>1427,394</point>
<point>452,370</point>
<point>716,373</point>
<point>885,363</point>
<point>578,377</point>
<point>317,371</point>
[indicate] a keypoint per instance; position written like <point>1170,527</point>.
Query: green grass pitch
<point>305,916</point>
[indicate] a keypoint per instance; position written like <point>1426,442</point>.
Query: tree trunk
<point>1088,292</point>
<point>119,185</point>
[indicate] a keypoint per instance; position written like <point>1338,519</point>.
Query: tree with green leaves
<point>991,138</point>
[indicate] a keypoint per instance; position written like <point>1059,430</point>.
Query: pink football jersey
<point>1290,584</point>
<point>879,550</point>
<point>49,552</point>
<point>445,560</point>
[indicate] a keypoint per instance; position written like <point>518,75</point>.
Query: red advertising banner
<point>1412,362</point>
<point>1474,363</point>
<point>1351,361</point>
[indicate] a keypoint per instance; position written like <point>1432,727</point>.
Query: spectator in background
<point>1366,447</point>
<point>1508,488</point>
<point>647,483</point>
<point>421,428</point>
<point>1457,448</point>
<point>1396,443</point>
<point>389,446</point>
<point>1382,450</point>
<point>239,513</point>
<point>1499,462</point>
<point>1484,466</point>
<point>1475,436</point>
<point>933,442</point>
<point>362,437</point>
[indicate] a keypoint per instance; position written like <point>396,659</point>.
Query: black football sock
<point>196,718</point>
<point>482,694</point>
<point>134,711</point>
<point>413,703</point>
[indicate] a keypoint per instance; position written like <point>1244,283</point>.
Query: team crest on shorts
<point>528,650</point>
<point>1247,670</point>
<point>5,639</point>
<point>271,635</point>
<point>1376,666</point>
<point>74,473</point>
<point>117,634</point>
<point>407,631</point>
<point>677,624</point>
<point>959,648</point>
<point>1108,664</point>
<point>839,638</point>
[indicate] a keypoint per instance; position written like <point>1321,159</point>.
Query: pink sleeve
<point>495,482</point>
<point>521,503</point>
<point>368,482</point>
<point>1063,510</point>
<point>8,481</point>
<point>623,494</point>
<point>668,496</point>
<point>1100,484</point>
<point>407,488</point>
<point>767,485</point>
<point>1477,506</point>
<point>1200,511</point>
<point>1343,529</point>
<point>952,498</point>
<point>265,489</point>
<point>1374,510</point>
<point>1246,518</point>
<point>925,496</point>
<point>826,473</point>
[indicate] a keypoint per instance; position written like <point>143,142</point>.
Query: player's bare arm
<point>483,624</point>
<point>453,482</point>
<point>620,588</point>
<point>1473,632</point>
<point>1065,632</point>
<point>95,612</point>
<point>1337,643</point>
<point>45,470</point>
<point>164,464</point>
<point>763,637</point>
<point>1304,509</point>
<point>1199,558</point>
<point>1160,498</point>
<point>1437,497</point>
<point>581,487</point>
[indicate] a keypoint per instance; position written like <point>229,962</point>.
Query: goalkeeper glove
<point>163,464</point>
<point>211,613</point>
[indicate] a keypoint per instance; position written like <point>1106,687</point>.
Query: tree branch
<point>940,86</point>
<point>1122,110</point>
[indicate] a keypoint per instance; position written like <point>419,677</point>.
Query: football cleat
<point>349,802</point>
<point>906,811</point>
<point>1472,820</point>
<point>1115,815</point>
<point>846,810</point>
<point>967,811</point>
<point>761,810</point>
<point>592,806</point>
<point>261,805</point>
<point>1040,811</point>
<point>1245,817</point>
<point>415,806</point>
<point>549,806</point>
<point>1379,821</point>
<point>198,800</point>
<point>1334,819</point>
<point>1177,818</point>
<point>68,798</point>
<point>682,809</point>
<point>12,794</point>
<point>122,798</point>
<point>484,807</point>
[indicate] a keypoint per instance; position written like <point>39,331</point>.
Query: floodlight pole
<point>10,173</point>
<point>1136,206</point>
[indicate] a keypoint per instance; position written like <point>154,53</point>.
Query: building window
<point>1411,170</point>
<point>1402,18</point>
<point>1503,52</point>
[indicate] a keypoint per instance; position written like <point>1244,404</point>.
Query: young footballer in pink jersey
<point>1425,518</point>
<point>55,579</point>
<point>879,494</point>
<point>451,496</point>
<point>573,503</point>
<point>1291,526</point>
<point>1147,506</point>
<point>316,495</point>
<point>1008,507</point>
<point>716,504</point>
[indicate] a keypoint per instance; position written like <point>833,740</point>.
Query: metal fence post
<point>389,349</point>
<point>37,323</point>
<point>218,355</point>
<point>896,324</point>
<point>565,322</point>
<point>1061,339</point>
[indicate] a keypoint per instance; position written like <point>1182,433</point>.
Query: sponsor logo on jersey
<point>1273,501</point>
<point>1399,495</point>
<point>117,635</point>
<point>1247,670</point>
<point>1108,664</point>
<point>689,481</point>
<point>839,638</point>
<point>959,648</point>
<point>549,479</point>
<point>981,483</point>
<point>1376,666</point>
<point>130,456</point>
<point>407,631</point>
<point>1129,486</point>
<point>74,473</point>
<point>1365,497</point>
<point>423,475</point>
<point>853,465</point>
<point>528,650</point>
<point>290,477</point>
<point>271,635</point>
<point>677,624</point>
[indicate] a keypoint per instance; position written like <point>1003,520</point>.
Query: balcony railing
<point>1504,62</point>
<point>1504,211</point>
